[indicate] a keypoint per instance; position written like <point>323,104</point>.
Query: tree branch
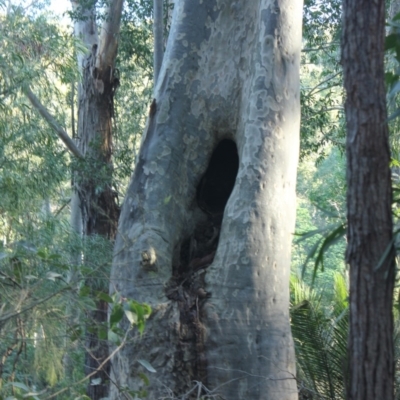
<point>323,82</point>
<point>326,46</point>
<point>53,123</point>
<point>108,43</point>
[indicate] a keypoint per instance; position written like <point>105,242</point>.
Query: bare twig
<point>324,81</point>
<point>57,213</point>
<point>319,48</point>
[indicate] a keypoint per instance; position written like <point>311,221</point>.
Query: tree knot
<point>149,259</point>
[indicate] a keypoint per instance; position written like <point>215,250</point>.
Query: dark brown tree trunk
<point>100,213</point>
<point>93,179</point>
<point>370,252</point>
<point>97,201</point>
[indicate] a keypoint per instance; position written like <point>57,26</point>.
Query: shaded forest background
<point>45,302</point>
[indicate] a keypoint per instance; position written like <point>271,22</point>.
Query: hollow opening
<point>194,255</point>
<point>218,181</point>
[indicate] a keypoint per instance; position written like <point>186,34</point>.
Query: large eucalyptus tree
<point>206,227</point>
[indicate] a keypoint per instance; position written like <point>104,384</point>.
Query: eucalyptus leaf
<point>52,276</point>
<point>18,385</point>
<point>147,365</point>
<point>132,317</point>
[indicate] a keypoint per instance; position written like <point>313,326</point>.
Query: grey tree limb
<point>69,143</point>
<point>108,43</point>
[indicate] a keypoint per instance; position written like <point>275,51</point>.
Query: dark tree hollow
<point>193,256</point>
<point>218,181</point>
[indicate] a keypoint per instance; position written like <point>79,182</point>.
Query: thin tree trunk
<point>93,184</point>
<point>97,204</point>
<point>370,251</point>
<point>206,228</point>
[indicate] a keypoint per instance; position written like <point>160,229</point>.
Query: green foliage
<point>321,78</point>
<point>34,293</point>
<point>136,36</point>
<point>392,80</point>
<point>321,219</point>
<point>322,21</point>
<point>31,53</point>
<point>135,312</point>
<point>45,304</point>
<point>320,336</point>
<point>320,249</point>
<point>135,65</point>
<point>320,331</point>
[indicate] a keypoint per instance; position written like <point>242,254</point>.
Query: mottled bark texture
<point>369,253</point>
<point>205,232</point>
<point>93,180</point>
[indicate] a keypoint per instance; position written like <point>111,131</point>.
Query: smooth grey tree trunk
<point>214,264</point>
<point>370,251</point>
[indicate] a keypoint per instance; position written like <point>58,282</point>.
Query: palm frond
<point>329,237</point>
<point>320,337</point>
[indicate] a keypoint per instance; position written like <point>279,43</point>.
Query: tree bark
<point>93,183</point>
<point>97,203</point>
<point>205,231</point>
<point>370,248</point>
